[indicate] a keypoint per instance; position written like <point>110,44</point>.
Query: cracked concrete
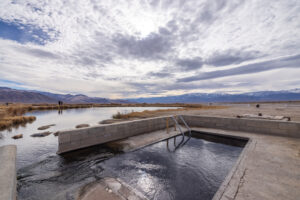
<point>268,168</point>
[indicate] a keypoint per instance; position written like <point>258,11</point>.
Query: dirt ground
<point>291,110</point>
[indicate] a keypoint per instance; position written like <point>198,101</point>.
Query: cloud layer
<point>146,48</point>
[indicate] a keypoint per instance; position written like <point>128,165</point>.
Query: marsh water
<point>33,149</point>
<point>193,171</point>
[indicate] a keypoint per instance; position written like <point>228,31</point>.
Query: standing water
<point>32,149</point>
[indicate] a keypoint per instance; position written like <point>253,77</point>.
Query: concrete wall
<point>8,172</point>
<point>281,128</point>
<point>85,137</point>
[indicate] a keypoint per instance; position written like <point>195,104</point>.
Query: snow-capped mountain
<point>282,95</point>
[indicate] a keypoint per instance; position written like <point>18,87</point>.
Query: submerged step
<point>139,141</point>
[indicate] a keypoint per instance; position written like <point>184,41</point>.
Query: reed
<point>12,116</point>
<point>13,121</point>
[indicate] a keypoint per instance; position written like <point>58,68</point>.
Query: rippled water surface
<point>33,149</point>
<point>193,171</point>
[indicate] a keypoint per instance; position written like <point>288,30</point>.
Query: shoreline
<point>12,115</point>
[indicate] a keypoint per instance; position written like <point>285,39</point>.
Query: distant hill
<point>12,95</point>
<point>25,96</point>
<point>79,98</point>
<point>284,95</point>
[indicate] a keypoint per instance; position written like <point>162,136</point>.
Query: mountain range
<point>283,95</point>
<point>27,96</point>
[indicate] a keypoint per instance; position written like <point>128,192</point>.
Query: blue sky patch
<point>23,33</point>
<point>11,84</point>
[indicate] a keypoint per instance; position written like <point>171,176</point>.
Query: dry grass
<point>152,113</point>
<point>13,121</point>
<point>13,110</point>
<point>20,109</point>
<point>12,116</point>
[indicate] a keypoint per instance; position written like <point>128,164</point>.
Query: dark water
<point>33,149</point>
<point>193,171</point>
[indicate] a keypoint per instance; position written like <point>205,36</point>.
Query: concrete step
<point>139,141</point>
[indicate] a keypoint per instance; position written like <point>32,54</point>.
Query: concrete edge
<point>237,166</point>
<point>63,131</point>
<point>260,126</point>
<point>105,136</point>
<point>8,177</point>
<point>217,133</point>
<point>165,116</point>
<point>81,138</point>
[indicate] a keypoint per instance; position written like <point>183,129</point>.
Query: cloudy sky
<point>146,48</point>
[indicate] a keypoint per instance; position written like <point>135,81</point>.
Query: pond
<point>33,149</point>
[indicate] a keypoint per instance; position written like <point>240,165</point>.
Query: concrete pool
<point>271,153</point>
<point>195,170</point>
<point>157,171</point>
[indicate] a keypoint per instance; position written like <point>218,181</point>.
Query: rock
<point>45,127</point>
<point>17,136</point>
<point>56,133</point>
<point>43,134</point>
<point>82,125</point>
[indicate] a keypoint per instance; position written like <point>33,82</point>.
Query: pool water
<point>193,171</point>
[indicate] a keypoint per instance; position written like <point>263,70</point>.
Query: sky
<point>127,49</point>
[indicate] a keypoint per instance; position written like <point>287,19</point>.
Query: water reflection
<point>31,149</point>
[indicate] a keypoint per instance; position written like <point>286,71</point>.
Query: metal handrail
<point>188,128</point>
<point>175,146</point>
<point>183,141</point>
<point>177,124</point>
